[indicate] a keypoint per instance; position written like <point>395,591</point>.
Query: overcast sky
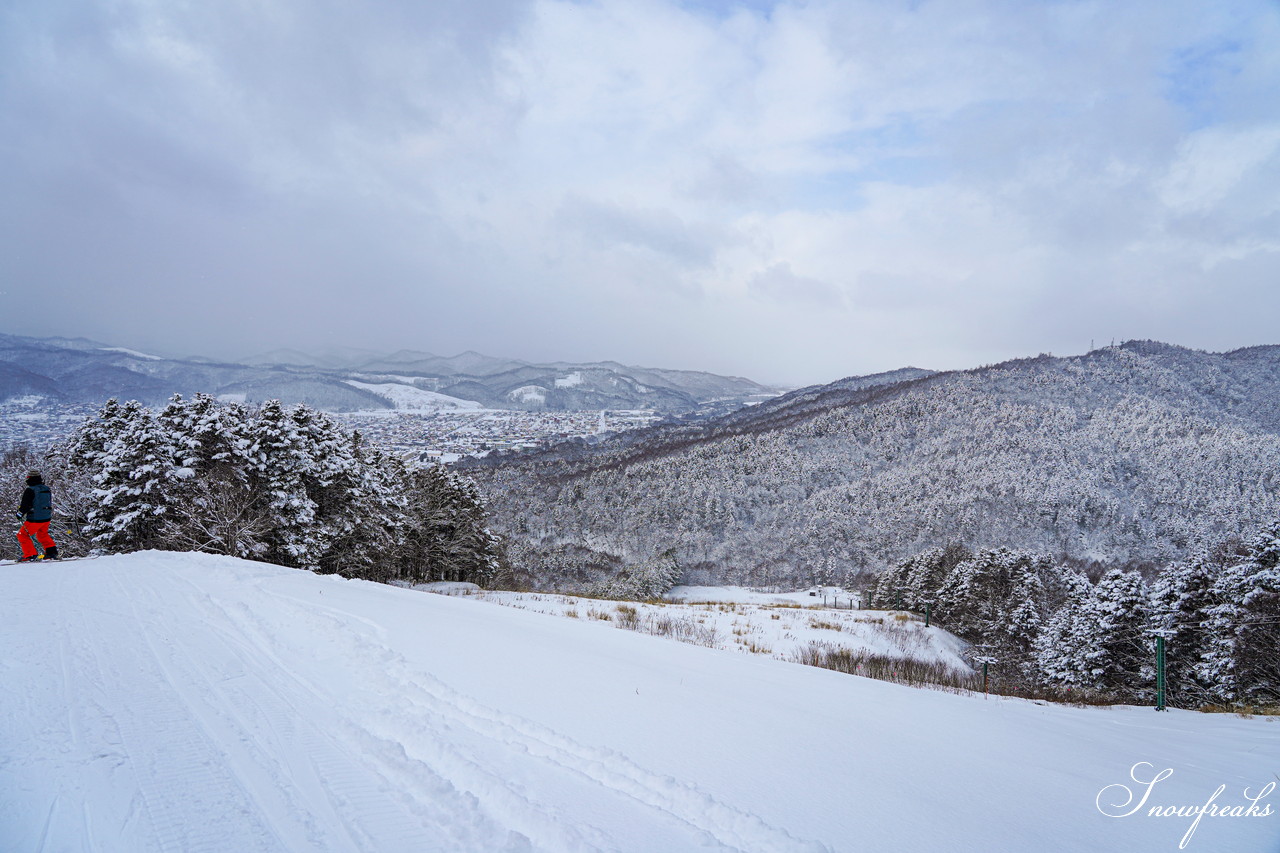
<point>792,192</point>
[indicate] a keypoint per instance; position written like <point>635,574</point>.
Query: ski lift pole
<point>1160,674</point>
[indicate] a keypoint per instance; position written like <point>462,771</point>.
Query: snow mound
<point>161,701</point>
<point>449,588</point>
<point>408,398</point>
<point>529,394</point>
<point>132,352</point>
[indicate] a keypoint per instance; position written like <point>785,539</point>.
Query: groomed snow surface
<point>187,702</point>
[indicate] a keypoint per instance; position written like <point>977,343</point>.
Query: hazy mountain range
<point>1140,453</point>
<point>76,370</point>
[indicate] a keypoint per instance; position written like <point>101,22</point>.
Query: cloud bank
<point>790,191</point>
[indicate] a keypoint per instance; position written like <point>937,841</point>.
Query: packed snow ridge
<point>161,701</point>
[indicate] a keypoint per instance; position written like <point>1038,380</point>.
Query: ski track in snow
<point>235,735</point>
<point>431,704</point>
<point>183,702</point>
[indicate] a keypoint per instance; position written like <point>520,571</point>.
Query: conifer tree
<point>330,479</point>
<point>280,458</point>
<point>447,534</point>
<point>134,473</point>
<point>91,441</point>
<point>1059,650</point>
<point>1180,598</point>
<point>993,601</point>
<point>1119,659</point>
<point>1239,661</point>
<point>369,541</point>
<point>644,581</point>
<point>214,505</point>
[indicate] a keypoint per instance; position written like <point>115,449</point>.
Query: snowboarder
<point>35,511</point>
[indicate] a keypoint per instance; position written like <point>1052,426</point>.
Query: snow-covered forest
<point>1049,626</point>
<point>289,486</point>
<point>1132,456</point>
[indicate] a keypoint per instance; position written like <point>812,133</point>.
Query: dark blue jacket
<point>37,501</point>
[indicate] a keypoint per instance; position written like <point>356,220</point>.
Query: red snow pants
<point>32,532</point>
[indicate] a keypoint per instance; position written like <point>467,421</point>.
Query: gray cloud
<point>779,283</point>
<point>676,184</point>
<point>655,231</point>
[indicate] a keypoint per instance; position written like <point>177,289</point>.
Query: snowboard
<point>43,561</point>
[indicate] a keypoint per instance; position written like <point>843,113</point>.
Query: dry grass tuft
<point>917,673</point>
<point>1243,711</point>
<point>628,617</point>
<point>903,671</point>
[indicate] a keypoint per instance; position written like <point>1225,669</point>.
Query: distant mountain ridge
<point>1132,454</point>
<point>65,370</point>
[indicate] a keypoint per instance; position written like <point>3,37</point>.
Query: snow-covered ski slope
<point>194,703</point>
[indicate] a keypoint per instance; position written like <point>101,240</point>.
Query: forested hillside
<point>1138,453</point>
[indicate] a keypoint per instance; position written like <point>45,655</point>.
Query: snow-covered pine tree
<point>133,476</point>
<point>281,460</point>
<point>475,544</point>
<point>917,580</point>
<point>333,481</point>
<point>1058,654</point>
<point>447,535</point>
<point>87,445</point>
<point>1257,661</point>
<point>214,505</point>
<point>657,575</point>
<point>993,600</point>
<point>1239,661</point>
<point>371,486</point>
<point>643,581</point>
<point>1021,620</point>
<point>1120,656</point>
<point>1180,599</point>
<point>888,590</point>
<point>928,572</point>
